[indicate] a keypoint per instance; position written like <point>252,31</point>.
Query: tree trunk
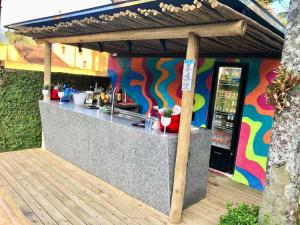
<point>281,195</point>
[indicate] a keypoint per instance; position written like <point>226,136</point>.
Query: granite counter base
<point>137,162</point>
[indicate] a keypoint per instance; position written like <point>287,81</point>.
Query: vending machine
<point>225,114</point>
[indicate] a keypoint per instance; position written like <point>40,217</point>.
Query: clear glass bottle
<point>148,122</point>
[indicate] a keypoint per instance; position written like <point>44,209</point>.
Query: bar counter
<point>137,161</point>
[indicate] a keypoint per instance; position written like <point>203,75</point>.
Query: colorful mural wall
<point>157,81</point>
<point>256,126</point>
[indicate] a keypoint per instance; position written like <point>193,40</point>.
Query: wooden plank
<point>54,177</point>
<point>53,212</point>
<point>131,206</point>
<point>184,135</point>
<point>38,210</point>
<point>106,202</point>
<point>109,193</point>
<point>62,181</point>
<point>64,210</point>
<point>10,213</point>
<point>206,30</point>
<point>25,209</point>
<point>85,203</point>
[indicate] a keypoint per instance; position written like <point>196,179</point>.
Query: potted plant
<point>175,112</point>
<point>45,91</point>
<point>166,118</point>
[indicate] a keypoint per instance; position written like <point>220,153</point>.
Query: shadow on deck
<point>49,190</point>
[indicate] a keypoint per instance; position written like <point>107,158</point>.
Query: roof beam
<point>206,30</point>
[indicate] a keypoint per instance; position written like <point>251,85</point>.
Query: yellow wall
<point>87,59</point>
<point>96,63</point>
<point>9,53</point>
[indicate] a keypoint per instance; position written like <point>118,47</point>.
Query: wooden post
<point>47,75</point>
<point>47,64</point>
<point>184,135</point>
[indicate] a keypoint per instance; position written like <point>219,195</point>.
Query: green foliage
<point>243,214</point>
<point>14,38</point>
<point>79,82</point>
<point>20,125</point>
<point>282,16</point>
<point>60,87</point>
<point>168,112</point>
<point>20,120</point>
<point>266,2</point>
<point>46,87</point>
<point>278,91</point>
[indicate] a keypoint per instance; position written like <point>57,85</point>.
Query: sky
<point>20,10</point>
<point>14,11</point>
<point>280,6</point>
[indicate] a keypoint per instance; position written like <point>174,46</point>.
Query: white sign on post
<point>187,75</point>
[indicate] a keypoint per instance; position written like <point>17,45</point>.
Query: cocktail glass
<point>165,121</point>
<point>60,95</point>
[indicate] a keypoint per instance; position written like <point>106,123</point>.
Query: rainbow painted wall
<point>255,135</point>
<point>157,81</point>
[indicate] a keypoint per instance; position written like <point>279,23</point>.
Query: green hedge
<point>243,214</point>
<point>20,125</point>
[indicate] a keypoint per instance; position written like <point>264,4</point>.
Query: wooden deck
<point>49,190</point>
<point>10,214</point>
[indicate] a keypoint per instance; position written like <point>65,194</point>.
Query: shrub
<point>19,113</point>
<point>20,125</point>
<point>243,214</point>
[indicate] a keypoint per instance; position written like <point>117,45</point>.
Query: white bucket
<point>79,98</point>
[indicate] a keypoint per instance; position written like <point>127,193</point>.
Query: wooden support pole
<point>47,75</point>
<point>205,30</point>
<point>184,135</point>
<point>47,64</point>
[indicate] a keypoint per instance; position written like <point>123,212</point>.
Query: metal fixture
<point>129,45</point>
<point>163,43</point>
<point>79,48</point>
<point>100,46</point>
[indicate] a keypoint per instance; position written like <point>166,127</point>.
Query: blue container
<point>67,94</point>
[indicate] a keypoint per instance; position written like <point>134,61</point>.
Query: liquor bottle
<point>217,104</point>
<point>232,122</point>
<point>228,122</point>
<point>224,106</point>
<point>119,96</point>
<point>227,106</point>
<point>222,77</point>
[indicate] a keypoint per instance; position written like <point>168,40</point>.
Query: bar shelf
<point>223,128</point>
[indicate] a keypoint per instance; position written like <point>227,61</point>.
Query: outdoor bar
<point>137,161</point>
<point>231,52</point>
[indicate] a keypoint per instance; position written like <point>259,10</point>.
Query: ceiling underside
<point>258,40</point>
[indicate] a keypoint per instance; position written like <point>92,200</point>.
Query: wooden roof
<point>258,40</point>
